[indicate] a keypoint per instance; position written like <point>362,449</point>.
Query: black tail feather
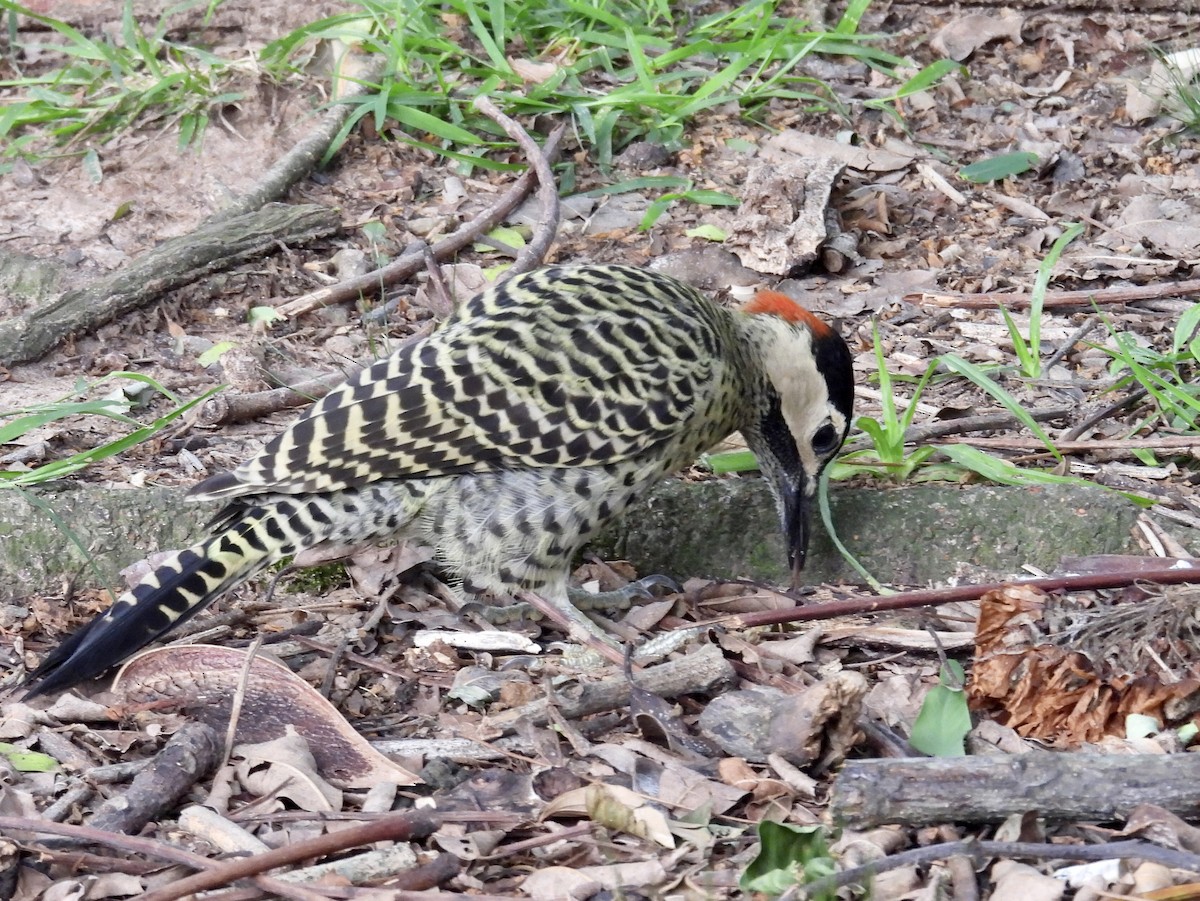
<point>175,592</point>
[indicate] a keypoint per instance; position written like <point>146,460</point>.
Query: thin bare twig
<point>404,827</point>
<point>131,844</point>
<point>1128,401</point>
<point>932,597</point>
<point>1058,300</point>
<point>984,422</point>
<point>410,263</point>
<point>239,699</point>
<point>981,423</point>
<point>226,408</point>
<point>535,251</point>
<point>1164,442</point>
<point>1065,348</point>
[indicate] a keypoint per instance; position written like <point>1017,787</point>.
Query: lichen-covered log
<point>178,261</point>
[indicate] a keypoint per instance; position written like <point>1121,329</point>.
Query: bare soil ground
<point>1054,81</point>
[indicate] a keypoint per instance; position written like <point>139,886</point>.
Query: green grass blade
<point>59,468</point>
<point>852,17</point>
<point>827,521</point>
<point>1031,364</point>
<point>982,380</point>
<point>1002,472</point>
<point>923,80</point>
<point>1185,329</point>
<point>1040,284</point>
<point>728,462</point>
<point>911,411</point>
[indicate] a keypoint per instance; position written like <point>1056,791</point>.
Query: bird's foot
<point>621,599</point>
<point>615,601</point>
<point>579,628</point>
<point>570,613</point>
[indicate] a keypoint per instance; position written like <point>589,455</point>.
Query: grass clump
<point>618,70</point>
<point>621,71</point>
<point>19,423</point>
<point>107,85</point>
<point>1170,379</point>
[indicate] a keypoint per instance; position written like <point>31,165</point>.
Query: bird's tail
<point>249,537</point>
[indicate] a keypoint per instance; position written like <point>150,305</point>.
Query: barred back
<point>560,367</point>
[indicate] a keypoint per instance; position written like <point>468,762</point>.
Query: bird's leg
<point>579,628</point>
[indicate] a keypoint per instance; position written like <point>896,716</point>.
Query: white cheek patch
<point>803,394</point>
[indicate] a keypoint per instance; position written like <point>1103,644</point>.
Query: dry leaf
<point>285,768</point>
<point>202,680</point>
<point>962,37</point>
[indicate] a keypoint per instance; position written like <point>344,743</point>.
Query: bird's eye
<point>826,440</point>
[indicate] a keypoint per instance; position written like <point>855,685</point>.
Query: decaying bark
<point>175,262</point>
<point>701,671</point>
<point>189,756</point>
<point>1062,787</point>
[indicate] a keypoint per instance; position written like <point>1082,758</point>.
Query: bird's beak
<point>796,512</point>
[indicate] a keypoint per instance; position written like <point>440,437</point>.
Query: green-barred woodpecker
<point>507,438</point>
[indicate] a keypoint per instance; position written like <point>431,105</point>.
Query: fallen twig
<point>304,154</point>
<point>409,264</point>
<point>932,597</point>
<point>1128,401</point>
<point>1074,338</point>
<point>1058,300</point>
<point>1164,442</point>
<point>984,422</point>
<point>535,251</point>
<point>177,261</point>
<point>1087,786</point>
<point>188,756</point>
<point>402,827</point>
<point>226,408</point>
<point>132,844</point>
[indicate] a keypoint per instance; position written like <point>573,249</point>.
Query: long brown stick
<point>1058,300</point>
<point>131,844</point>
<point>1165,442</point>
<point>409,264</point>
<point>931,597</point>
<point>401,827</point>
<point>535,251</point>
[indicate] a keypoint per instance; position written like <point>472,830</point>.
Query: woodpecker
<point>506,439</point>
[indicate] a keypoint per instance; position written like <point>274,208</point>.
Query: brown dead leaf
<point>1019,880</point>
<point>966,34</point>
<point>1062,673</point>
<point>375,571</point>
<point>532,71</point>
<point>202,680</point>
<point>615,807</point>
<point>1158,825</point>
<point>559,884</point>
<point>285,768</point>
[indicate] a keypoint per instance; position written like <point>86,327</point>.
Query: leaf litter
<point>666,807</point>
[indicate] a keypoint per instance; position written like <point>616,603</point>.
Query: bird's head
<point>804,413</point>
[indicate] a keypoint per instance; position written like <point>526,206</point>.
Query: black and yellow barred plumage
<point>507,438</point>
